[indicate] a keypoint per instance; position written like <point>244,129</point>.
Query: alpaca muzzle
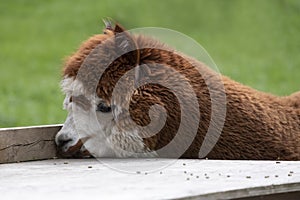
<point>65,150</point>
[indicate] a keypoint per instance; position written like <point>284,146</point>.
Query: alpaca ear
<point>126,45</point>
<point>119,29</point>
<point>108,24</point>
<point>128,48</point>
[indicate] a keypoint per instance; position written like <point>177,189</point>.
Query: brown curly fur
<point>257,125</point>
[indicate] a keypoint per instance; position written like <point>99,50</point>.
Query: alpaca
<point>257,125</point>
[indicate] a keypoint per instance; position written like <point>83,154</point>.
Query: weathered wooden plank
<point>179,179</point>
<point>27,143</point>
<point>273,192</point>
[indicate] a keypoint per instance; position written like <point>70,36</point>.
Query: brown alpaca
<point>257,125</point>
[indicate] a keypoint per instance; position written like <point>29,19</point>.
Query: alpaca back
<point>258,126</point>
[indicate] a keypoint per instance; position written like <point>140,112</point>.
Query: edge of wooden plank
<point>29,127</point>
<point>254,192</point>
<point>28,143</point>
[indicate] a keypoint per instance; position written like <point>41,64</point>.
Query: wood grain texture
<point>27,143</point>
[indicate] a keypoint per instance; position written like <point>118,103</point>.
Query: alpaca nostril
<point>62,141</point>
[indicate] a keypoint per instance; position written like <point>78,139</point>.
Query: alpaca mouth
<point>75,151</point>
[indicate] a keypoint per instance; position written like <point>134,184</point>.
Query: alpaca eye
<point>103,108</point>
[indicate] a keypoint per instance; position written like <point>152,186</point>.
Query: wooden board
<point>182,179</point>
<point>27,143</point>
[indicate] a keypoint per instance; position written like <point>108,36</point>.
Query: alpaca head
<point>90,76</point>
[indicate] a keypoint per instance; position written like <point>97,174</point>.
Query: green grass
<point>255,42</point>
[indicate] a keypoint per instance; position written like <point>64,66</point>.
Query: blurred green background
<point>252,41</point>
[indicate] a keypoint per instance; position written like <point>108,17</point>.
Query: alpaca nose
<point>70,147</point>
<point>62,140</point>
